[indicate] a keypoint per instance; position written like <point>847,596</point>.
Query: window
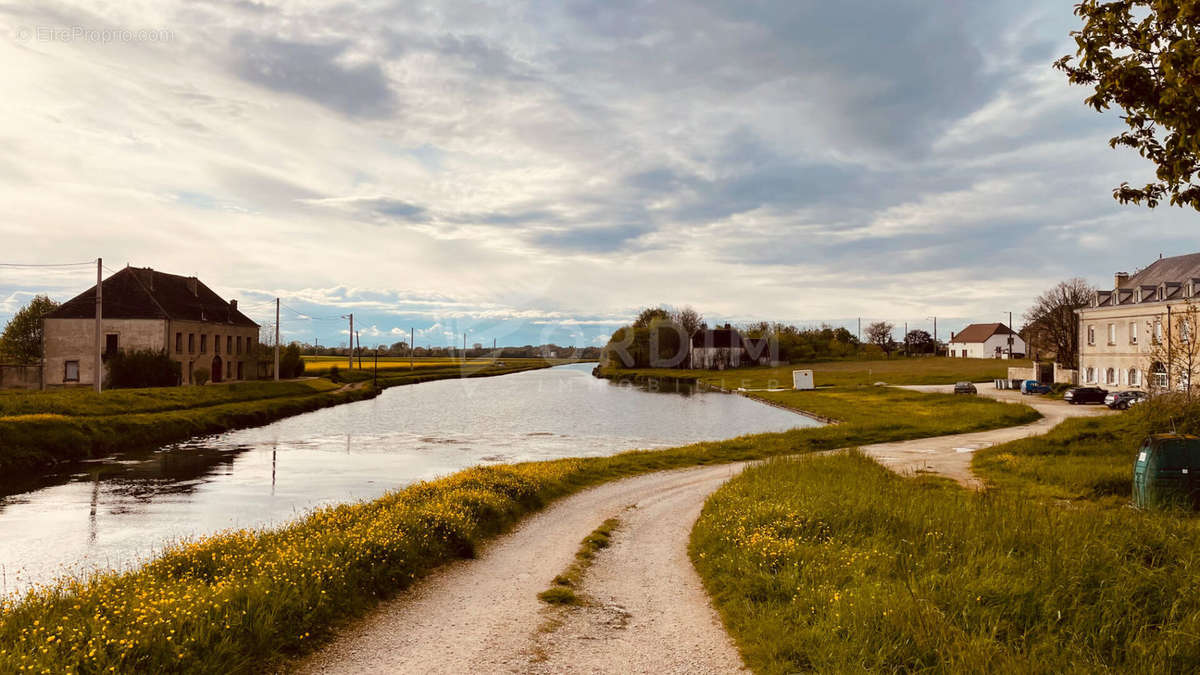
<point>228,344</point>
<point>1135,379</point>
<point>1090,375</point>
<point>216,344</point>
<point>1158,375</point>
<point>239,345</point>
<point>191,343</point>
<point>203,343</point>
<point>1157,331</point>
<point>1110,376</point>
<point>249,343</point>
<point>1091,335</point>
<point>1112,333</point>
<point>1185,330</point>
<point>179,343</point>
<point>71,371</point>
<point>228,369</point>
<point>1133,332</point>
<point>110,345</point>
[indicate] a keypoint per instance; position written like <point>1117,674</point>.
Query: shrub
<point>290,363</point>
<point>200,376</point>
<point>142,368</point>
<point>334,374</point>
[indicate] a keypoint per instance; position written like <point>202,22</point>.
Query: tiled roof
<point>1179,268</point>
<point>143,293</point>
<point>980,332</point>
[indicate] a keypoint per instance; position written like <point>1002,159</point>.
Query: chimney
<point>233,305</point>
<point>194,286</point>
<point>1120,279</point>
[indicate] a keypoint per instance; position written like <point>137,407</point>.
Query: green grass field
<point>246,601</point>
<point>834,564</point>
<point>845,373</point>
<point>84,401</point>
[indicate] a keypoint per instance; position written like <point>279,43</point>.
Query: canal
<point>115,512</point>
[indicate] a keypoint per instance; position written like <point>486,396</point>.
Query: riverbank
<point>42,428</point>
<point>245,600</point>
<point>834,564</point>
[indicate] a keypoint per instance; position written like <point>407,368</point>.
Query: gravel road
<point>649,612</point>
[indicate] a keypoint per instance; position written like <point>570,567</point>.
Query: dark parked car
<point>964,388</point>
<point>1080,395</point>
<point>1121,400</point>
<point>1034,387</point>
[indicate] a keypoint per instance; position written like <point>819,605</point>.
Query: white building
<point>986,341</point>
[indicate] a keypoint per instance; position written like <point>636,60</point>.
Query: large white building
<point>1130,335</point>
<point>986,341</point>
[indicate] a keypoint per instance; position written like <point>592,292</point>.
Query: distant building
<point>147,309</point>
<point>1123,328</point>
<point>986,341</point>
<point>721,348</point>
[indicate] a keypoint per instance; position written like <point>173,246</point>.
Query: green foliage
<point>290,363</point>
<point>21,341</point>
<point>1144,57</point>
<point>835,564</point>
<point>128,369</point>
<point>334,374</point>
<point>200,376</point>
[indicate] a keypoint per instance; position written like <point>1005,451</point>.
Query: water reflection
<point>116,511</point>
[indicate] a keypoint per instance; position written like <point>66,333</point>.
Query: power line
<point>90,262</point>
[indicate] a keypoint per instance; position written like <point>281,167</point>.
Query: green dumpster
<point>1167,472</point>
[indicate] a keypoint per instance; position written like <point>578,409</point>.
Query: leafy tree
<point>290,363</point>
<point>688,319</point>
<point>21,341</point>
<point>880,335</point>
<point>919,342</point>
<point>1144,56</point>
<point>649,315</point>
<point>1054,319</point>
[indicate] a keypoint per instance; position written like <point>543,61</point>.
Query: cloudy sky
<point>537,170</point>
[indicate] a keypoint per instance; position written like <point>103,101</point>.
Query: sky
<point>536,171</point>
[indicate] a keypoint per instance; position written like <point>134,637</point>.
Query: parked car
<point>1121,400</point>
<point>1034,387</point>
<point>1080,395</point>
<point>964,388</point>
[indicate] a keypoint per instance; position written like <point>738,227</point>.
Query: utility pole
<point>464,346</point>
<point>1010,336</point>
<point>412,345</point>
<point>98,375</point>
<point>350,354</point>
<point>276,339</point>
<point>359,339</point>
<point>375,375</point>
<point>906,339</point>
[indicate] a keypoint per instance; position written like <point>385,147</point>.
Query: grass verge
<point>243,601</point>
<point>564,590</point>
<point>834,564</point>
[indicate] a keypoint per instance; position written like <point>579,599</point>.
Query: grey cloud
<point>313,71</point>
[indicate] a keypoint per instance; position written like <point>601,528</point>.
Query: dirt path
<point>483,615</point>
<point>649,614</point>
<point>951,455</point>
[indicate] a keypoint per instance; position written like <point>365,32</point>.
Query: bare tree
<point>689,319</point>
<point>1174,356</point>
<point>880,333</point>
<point>1053,318</point>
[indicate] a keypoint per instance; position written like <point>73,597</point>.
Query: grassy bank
<point>844,373</point>
<point>242,601</point>
<point>835,564</point>
<point>40,428</point>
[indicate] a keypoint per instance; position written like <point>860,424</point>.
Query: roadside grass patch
<point>835,564</point>
<point>247,600</point>
<point>565,587</point>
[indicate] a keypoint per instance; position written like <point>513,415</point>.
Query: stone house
<point>986,341</point>
<point>147,309</point>
<point>1123,328</point>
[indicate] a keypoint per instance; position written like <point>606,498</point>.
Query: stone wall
<point>21,377</point>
